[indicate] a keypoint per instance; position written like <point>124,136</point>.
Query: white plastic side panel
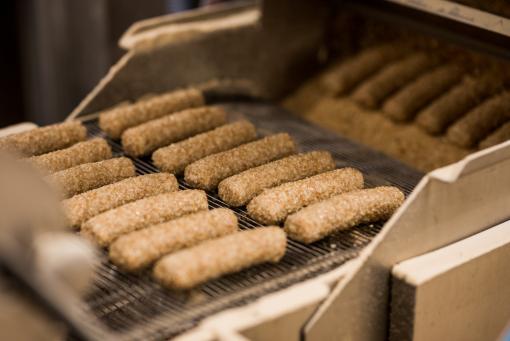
<point>458,292</point>
<point>475,196</point>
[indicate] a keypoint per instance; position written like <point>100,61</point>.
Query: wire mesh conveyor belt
<point>134,303</point>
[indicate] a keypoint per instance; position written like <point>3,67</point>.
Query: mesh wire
<point>134,304</point>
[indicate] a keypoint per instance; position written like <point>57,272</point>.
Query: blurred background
<point>55,51</point>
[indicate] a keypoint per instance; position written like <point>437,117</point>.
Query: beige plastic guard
<point>183,25</point>
<point>170,52</point>
<point>465,281</point>
<point>249,43</point>
<point>449,204</point>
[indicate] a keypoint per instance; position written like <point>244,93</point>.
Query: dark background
<point>11,99</point>
<point>55,51</point>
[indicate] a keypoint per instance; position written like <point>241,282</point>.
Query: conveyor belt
<point>136,305</point>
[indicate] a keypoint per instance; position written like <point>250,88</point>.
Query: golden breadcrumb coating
<point>83,152</point>
<point>238,189</point>
<point>500,135</point>
<point>82,207</point>
<point>456,102</point>
<point>481,121</point>
<point>45,139</point>
<point>273,205</point>
<point>391,78</point>
<point>343,211</point>
<point>89,176</point>
<point>147,137</point>
<point>209,171</point>
<point>116,120</point>
<point>405,103</point>
<point>175,157</point>
<point>214,258</point>
<point>349,73</point>
<point>139,249</point>
<point>108,226</point>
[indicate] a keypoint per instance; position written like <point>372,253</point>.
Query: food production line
<point>361,80</point>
